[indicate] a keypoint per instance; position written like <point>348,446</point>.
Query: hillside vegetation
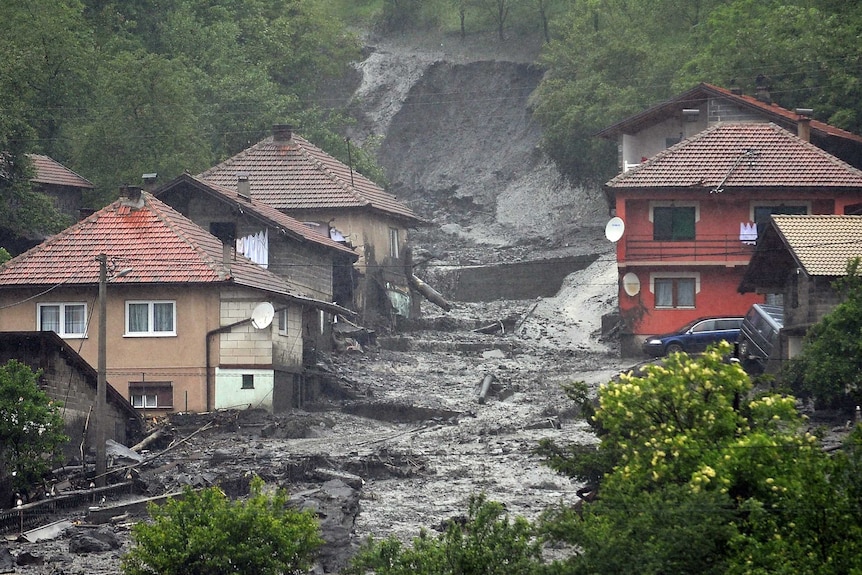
<point>114,89</point>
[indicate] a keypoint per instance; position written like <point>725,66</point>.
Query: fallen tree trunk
<point>429,293</point>
<point>486,385</point>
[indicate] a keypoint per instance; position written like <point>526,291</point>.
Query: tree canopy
<point>703,474</point>
<point>205,533</point>
<point>31,429</point>
<point>829,366</point>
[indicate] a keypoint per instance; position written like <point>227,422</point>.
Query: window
<point>393,242</point>
<point>248,381</point>
<point>282,322</point>
<point>707,325</point>
<point>150,318</point>
<point>151,395</point>
<point>673,223</point>
<point>674,291</point>
<point>761,214</point>
<point>66,319</point>
<point>224,231</point>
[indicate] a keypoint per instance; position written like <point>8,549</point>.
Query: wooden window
<point>673,223</point>
<point>674,292</point>
<point>248,381</point>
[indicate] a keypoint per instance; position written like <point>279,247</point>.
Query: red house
<point>692,214</point>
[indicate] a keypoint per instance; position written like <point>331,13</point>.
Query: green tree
<point>693,457</point>
<point>808,51</point>
<point>608,60</point>
<point>487,542</point>
<point>31,429</point>
<point>829,366</point>
<point>205,533</point>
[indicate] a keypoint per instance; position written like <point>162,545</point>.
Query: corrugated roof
<point>50,171</point>
<point>159,244</point>
<point>822,244</point>
<point>296,175</point>
<point>741,155</point>
<point>701,92</point>
<point>267,213</point>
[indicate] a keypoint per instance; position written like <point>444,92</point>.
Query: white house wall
<point>230,393</point>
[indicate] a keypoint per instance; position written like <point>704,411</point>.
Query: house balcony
<point>705,250</point>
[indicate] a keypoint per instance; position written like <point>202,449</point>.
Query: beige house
<point>289,173</point>
<point>799,258</point>
<point>307,260</point>
<point>643,135</point>
<point>190,325</point>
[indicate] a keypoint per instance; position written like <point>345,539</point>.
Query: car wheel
<point>672,348</point>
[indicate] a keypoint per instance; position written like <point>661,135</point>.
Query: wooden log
<point>429,293</point>
<point>486,385</point>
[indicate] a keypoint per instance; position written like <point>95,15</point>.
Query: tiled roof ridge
<point>259,209</point>
<point>47,158</point>
<point>319,164</point>
<point>166,214</point>
<point>726,126</point>
<point>780,111</point>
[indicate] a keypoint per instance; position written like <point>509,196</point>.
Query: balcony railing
<point>721,248</point>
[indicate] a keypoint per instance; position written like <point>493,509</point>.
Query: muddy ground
<point>403,439</point>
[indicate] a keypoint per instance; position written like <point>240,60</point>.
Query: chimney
<point>282,133</point>
<point>131,196</point>
<point>150,181</point>
<point>243,186</point>
<point>762,89</point>
<point>803,123</point>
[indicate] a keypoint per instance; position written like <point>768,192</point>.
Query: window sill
<point>143,334</point>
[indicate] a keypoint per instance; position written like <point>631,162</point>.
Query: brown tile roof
<point>773,112</point>
<point>822,244</point>
<point>294,174</point>
<point>160,245</point>
<point>50,171</point>
<point>741,155</point>
<point>268,214</point>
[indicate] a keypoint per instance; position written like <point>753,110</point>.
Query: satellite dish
<point>631,284</point>
<point>614,229</point>
<point>262,314</point>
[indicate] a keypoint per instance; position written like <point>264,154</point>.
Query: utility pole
<point>101,380</point>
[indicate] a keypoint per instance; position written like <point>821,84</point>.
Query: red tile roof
<point>781,116</point>
<point>159,244</point>
<point>741,155</point>
<point>50,171</point>
<point>268,214</point>
<point>296,175</point>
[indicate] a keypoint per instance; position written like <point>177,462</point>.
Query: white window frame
<point>62,323</point>
<point>144,400</point>
<point>674,275</point>
<point>394,242</point>
<point>283,322</point>
<point>150,319</point>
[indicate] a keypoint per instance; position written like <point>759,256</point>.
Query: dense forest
<point>114,89</point>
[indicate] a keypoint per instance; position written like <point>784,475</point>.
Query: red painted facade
<point>690,214</point>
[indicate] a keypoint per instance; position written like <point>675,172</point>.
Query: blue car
<point>695,336</point>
